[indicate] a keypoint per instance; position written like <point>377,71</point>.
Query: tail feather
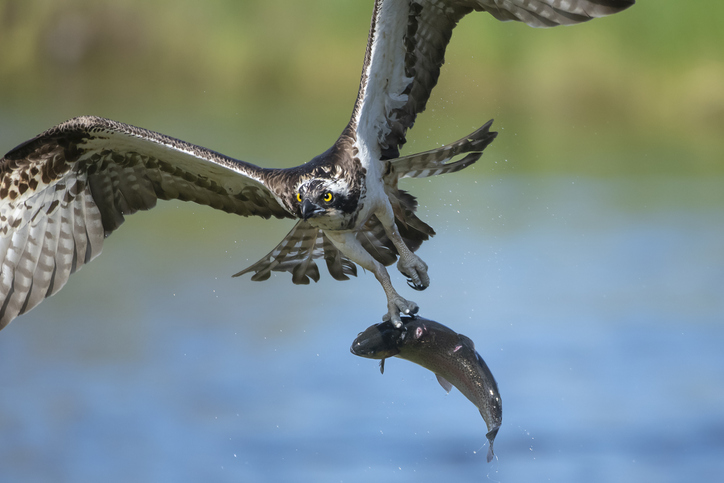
<point>339,266</point>
<point>375,241</point>
<point>294,254</point>
<point>435,161</point>
<point>412,229</point>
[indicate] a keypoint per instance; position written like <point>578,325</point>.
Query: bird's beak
<point>309,209</point>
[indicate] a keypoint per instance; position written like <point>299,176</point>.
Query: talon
<point>398,306</point>
<point>394,319</point>
<point>416,286</point>
<point>415,270</point>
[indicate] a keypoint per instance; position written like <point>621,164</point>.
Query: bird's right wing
<point>406,49</point>
<point>62,192</point>
<point>550,13</point>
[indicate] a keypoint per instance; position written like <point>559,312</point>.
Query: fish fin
<point>382,366</point>
<point>444,383</point>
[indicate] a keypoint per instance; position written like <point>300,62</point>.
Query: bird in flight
<point>63,192</point>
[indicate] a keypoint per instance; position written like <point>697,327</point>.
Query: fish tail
<point>491,437</point>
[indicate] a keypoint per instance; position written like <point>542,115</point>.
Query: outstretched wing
<point>406,48</point>
<point>62,192</point>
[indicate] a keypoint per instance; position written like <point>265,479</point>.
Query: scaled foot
<point>398,306</point>
<point>415,270</point>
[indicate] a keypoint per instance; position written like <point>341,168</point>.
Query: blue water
<point>597,304</point>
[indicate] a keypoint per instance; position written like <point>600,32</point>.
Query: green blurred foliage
<point>641,92</point>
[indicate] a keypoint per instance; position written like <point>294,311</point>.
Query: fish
<point>451,356</point>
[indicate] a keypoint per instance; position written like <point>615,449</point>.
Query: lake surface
<point>597,304</point>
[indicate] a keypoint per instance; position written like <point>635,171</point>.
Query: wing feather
<point>550,13</point>
<point>406,49</point>
<point>65,251</point>
<point>90,232</point>
<point>11,305</point>
<point>46,234</point>
<point>64,191</point>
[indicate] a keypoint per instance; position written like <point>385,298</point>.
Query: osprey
<point>67,189</point>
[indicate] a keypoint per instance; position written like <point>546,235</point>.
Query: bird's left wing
<point>406,48</point>
<point>62,192</point>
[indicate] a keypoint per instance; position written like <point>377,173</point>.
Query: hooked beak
<point>309,209</point>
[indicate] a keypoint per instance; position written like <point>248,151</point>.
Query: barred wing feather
<point>64,191</point>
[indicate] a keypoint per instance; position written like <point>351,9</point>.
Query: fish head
<point>379,341</point>
<point>384,340</point>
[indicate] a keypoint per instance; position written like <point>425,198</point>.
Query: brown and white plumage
<point>64,191</point>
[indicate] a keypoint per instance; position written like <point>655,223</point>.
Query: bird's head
<point>326,203</point>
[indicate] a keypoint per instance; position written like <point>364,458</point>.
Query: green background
<point>274,81</point>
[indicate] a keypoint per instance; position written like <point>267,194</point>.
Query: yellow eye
<point>299,197</point>
<point>327,197</point>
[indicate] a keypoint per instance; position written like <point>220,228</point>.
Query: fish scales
<point>451,356</point>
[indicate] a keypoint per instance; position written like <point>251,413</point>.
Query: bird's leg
<point>396,305</point>
<point>348,244</point>
<point>410,265</point>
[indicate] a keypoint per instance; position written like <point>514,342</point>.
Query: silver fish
<point>451,356</point>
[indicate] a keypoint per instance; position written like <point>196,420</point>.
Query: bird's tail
<point>412,229</point>
<point>435,161</point>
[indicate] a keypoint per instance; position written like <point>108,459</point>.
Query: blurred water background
<point>583,254</point>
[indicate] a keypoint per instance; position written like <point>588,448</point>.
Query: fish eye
<point>299,197</point>
<point>327,197</point>
<point>419,332</point>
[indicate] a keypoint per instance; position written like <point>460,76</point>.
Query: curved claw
<point>416,286</point>
<point>398,307</point>
<point>394,319</point>
<point>415,270</point>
